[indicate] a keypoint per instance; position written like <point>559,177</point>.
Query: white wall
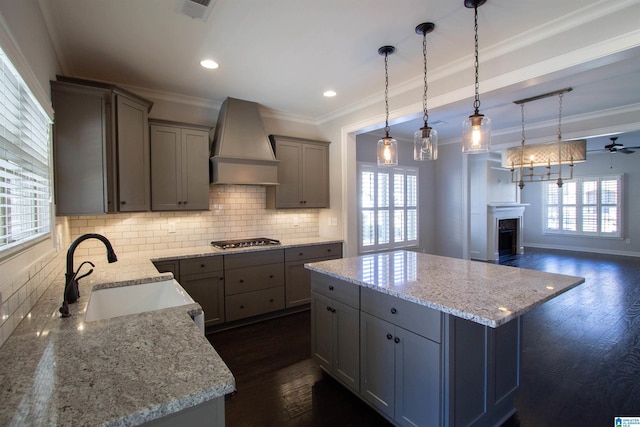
<point>596,164</point>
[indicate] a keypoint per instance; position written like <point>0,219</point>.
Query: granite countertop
<point>484,293</point>
<point>121,371</point>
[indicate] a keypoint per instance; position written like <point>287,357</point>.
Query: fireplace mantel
<point>497,212</point>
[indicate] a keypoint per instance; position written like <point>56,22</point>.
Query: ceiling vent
<point>198,9</point>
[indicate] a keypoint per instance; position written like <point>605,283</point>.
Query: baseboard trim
<point>581,249</point>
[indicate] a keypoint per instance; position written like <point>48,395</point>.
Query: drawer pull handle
<point>202,265</point>
<point>123,202</point>
<point>300,254</point>
<point>393,310</point>
<point>242,306</point>
<point>221,278</point>
<point>389,336</point>
<point>333,310</point>
<point>241,281</point>
<point>331,287</point>
<point>328,308</point>
<point>271,276</point>
<point>271,300</point>
<point>396,340</point>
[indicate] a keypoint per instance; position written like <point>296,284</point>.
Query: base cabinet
<point>209,413</point>
<point>203,279</point>
<point>416,365</point>
<point>391,355</point>
<point>254,283</point>
<point>335,330</point>
<point>298,278</point>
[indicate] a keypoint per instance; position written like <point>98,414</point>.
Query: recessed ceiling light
<point>329,93</point>
<point>209,64</point>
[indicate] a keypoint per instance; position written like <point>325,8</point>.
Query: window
<point>585,206</point>
<point>24,162</point>
<point>388,207</point>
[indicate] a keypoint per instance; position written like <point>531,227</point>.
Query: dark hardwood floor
<point>580,359</point>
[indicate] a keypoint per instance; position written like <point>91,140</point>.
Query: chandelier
<point>524,160</point>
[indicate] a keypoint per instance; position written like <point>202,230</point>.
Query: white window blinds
<point>24,162</point>
<point>587,206</point>
<point>388,206</point>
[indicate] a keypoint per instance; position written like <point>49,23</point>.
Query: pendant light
<point>476,130</point>
<point>425,139</point>
<point>387,146</point>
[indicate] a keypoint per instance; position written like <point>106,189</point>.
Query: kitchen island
<point>423,339</point>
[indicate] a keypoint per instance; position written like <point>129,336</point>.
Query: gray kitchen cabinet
<point>298,278</point>
<point>400,372</point>
<point>203,279</point>
<point>101,148</point>
<point>400,345</point>
<point>179,166</point>
<point>335,329</point>
<point>254,283</point>
<point>303,174</point>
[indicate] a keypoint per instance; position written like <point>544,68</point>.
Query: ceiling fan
<point>616,147</point>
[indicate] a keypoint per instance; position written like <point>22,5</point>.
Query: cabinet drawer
<point>253,303</point>
<point>333,250</point>
<point>254,278</point>
<point>414,317</point>
<point>345,292</point>
<point>205,264</point>
<point>249,259</point>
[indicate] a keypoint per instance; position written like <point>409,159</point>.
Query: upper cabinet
<point>303,174</point>
<point>179,166</point>
<point>101,148</point>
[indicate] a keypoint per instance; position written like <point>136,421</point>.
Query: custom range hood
<point>241,151</point>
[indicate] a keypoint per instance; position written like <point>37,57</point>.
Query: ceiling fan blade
<point>625,151</point>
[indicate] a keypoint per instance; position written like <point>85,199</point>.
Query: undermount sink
<point>124,300</point>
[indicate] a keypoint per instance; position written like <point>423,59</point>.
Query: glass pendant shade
<point>425,144</point>
<point>476,134</point>
<point>387,151</point>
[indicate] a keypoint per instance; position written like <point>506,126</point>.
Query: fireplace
<point>504,230</point>
<point>508,237</point>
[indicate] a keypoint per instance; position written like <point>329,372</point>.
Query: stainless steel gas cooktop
<point>244,243</point>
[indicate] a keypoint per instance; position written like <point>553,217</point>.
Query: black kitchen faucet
<point>71,291</point>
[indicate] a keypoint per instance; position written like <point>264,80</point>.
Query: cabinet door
<point>133,155</point>
<point>321,330</point>
<point>346,349</point>
<point>79,133</point>
<point>166,162</point>
<point>377,363</point>
<point>298,278</point>
<point>207,289</point>
<point>195,169</point>
<point>298,284</point>
<point>289,190</point>
<point>417,385</point>
<point>315,177</point>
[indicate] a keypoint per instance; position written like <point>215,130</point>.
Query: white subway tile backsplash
<point>236,211</point>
